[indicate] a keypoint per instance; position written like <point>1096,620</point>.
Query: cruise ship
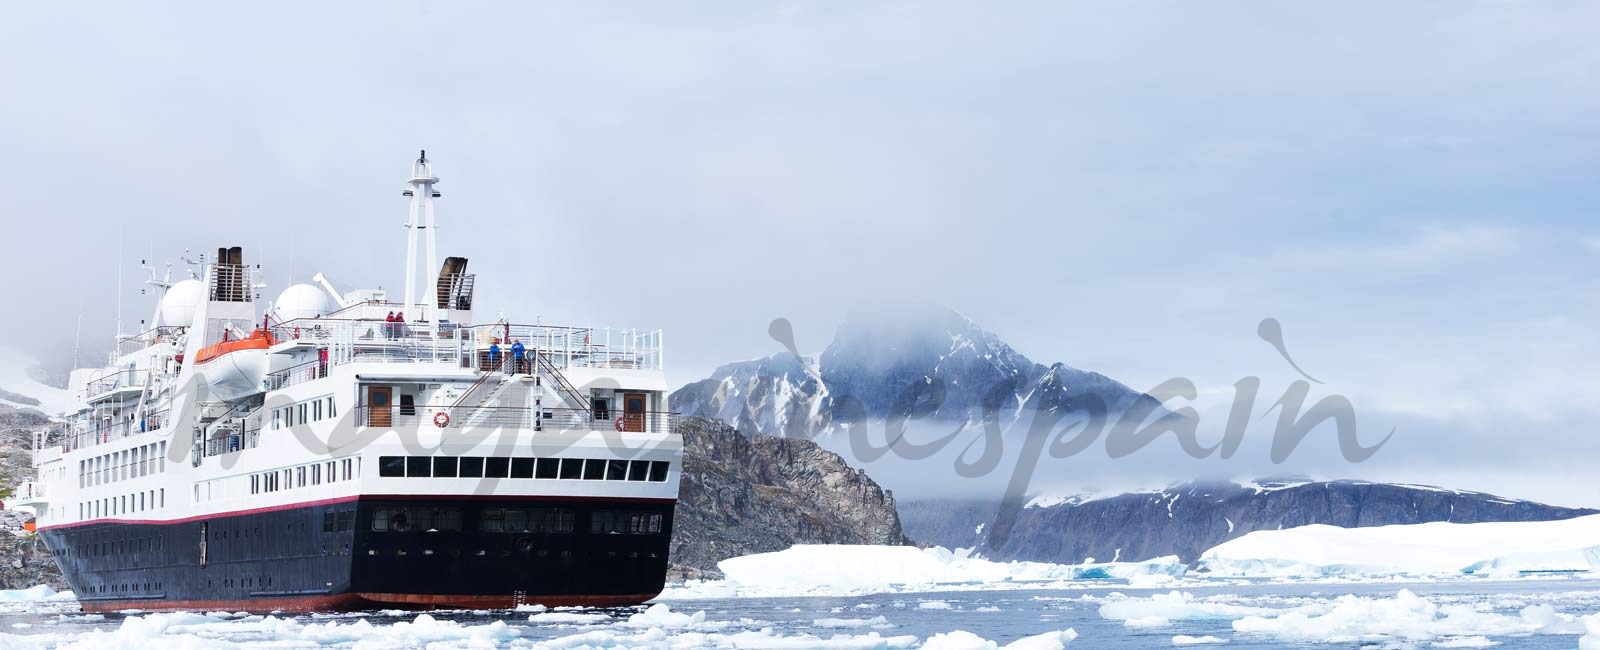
<point>336,451</point>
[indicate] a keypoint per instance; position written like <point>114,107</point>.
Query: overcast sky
<point>1125,187</point>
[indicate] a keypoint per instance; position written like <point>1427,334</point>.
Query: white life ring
<point>441,419</point>
<point>619,424</point>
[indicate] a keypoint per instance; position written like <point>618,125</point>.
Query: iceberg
<point>1432,549</point>
<point>828,569</point>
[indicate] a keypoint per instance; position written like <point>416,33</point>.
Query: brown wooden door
<point>380,411</point>
<point>633,411</point>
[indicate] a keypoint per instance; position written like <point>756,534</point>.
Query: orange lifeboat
<point>258,340</point>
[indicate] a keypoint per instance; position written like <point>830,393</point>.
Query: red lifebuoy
<point>619,424</point>
<point>441,419</point>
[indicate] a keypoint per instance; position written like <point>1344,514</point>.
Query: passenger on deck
<point>494,355</point>
<point>388,328</point>
<point>517,353</point>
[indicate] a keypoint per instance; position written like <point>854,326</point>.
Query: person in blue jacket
<point>517,353</point>
<point>494,356</point>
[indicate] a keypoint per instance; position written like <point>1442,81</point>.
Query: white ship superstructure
<point>348,450</point>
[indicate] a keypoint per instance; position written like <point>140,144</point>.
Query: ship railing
<point>116,381</point>
<point>493,417</point>
<point>101,431</point>
<point>130,344</point>
<point>298,374</point>
<point>374,340</point>
<point>571,347</point>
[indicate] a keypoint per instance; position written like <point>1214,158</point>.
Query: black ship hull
<point>375,552</point>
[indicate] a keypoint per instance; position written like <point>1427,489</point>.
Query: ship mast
<point>420,218</point>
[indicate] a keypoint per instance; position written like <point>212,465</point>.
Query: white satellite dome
<point>303,301</point>
<point>180,303</point>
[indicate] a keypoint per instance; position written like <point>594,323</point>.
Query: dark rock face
<point>24,561</point>
<point>740,496</point>
<point>1188,519</point>
<point>951,523</point>
<point>886,364</point>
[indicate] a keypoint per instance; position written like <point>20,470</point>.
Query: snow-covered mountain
<point>881,364</point>
<point>1185,520</point>
<point>20,390</point>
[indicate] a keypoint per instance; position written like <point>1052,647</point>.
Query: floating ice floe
<point>805,570</point>
<point>963,640</point>
<point>1433,549</point>
<point>1406,617</point>
<point>36,593</point>
<point>1161,609</point>
<point>1184,639</point>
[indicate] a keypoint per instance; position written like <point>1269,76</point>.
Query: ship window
<point>617,470</point>
<point>277,418</point>
<point>316,410</point>
<point>316,474</point>
<point>328,522</point>
<point>602,409</point>
<point>639,470</point>
<point>522,468</point>
<point>624,522</point>
<point>594,470</point>
<point>384,519</point>
<point>301,416</point>
<point>446,466</point>
<point>493,520</point>
<point>471,467</point>
<point>496,467</point>
<point>550,520</point>
<point>419,466</point>
<point>300,476</point>
<point>392,466</point>
<point>163,494</point>
<point>333,471</point>
<point>163,455</point>
<point>331,412</point>
<point>408,405</point>
<point>347,469</point>
<point>658,470</point>
<point>572,468</point>
<point>347,519</point>
<point>547,468</point>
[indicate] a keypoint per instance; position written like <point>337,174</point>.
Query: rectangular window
<point>163,494</point>
<point>316,410</point>
<point>300,476</point>
<point>328,522</point>
<point>658,470</point>
<point>548,468</point>
<point>331,412</point>
<point>616,470</point>
<point>347,473</point>
<point>301,416</point>
<point>391,467</point>
<point>333,471</point>
<point>419,466</point>
<point>347,520</point>
<point>550,520</point>
<point>639,470</point>
<point>493,520</point>
<point>381,518</point>
<point>522,468</point>
<point>277,419</point>
<point>163,464</point>
<point>572,468</point>
<point>316,474</point>
<point>594,469</point>
<point>471,467</point>
<point>446,466</point>
<point>496,467</point>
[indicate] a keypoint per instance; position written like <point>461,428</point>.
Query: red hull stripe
<point>366,601</point>
<point>362,497</point>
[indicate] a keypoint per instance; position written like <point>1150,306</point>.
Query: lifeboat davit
<point>234,369</point>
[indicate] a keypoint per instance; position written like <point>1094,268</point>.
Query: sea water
<point>1543,612</point>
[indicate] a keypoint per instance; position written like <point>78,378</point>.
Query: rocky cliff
<point>1188,519</point>
<point>24,562</point>
<point>741,495</point>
